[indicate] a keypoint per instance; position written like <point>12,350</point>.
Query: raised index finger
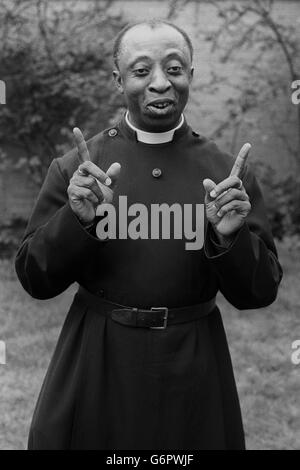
<point>240,161</point>
<point>83,152</point>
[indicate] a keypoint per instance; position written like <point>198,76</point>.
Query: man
<point>142,361</point>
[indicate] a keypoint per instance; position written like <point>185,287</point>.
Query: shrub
<point>56,62</point>
<point>282,197</point>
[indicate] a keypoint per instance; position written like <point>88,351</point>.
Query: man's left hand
<point>227,203</point>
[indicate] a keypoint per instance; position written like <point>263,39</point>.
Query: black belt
<point>155,317</point>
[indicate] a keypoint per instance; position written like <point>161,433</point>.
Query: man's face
<point>154,74</point>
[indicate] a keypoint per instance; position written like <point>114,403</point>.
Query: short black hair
<point>153,23</point>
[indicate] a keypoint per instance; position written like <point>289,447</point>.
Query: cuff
<point>212,247</point>
<point>74,230</point>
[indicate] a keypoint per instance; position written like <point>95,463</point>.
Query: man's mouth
<point>161,106</point>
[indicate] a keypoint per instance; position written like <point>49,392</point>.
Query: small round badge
<point>112,132</point>
<point>156,172</point>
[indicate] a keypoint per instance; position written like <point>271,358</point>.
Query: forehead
<point>155,43</point>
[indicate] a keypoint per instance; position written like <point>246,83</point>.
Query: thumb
<point>208,185</point>
<point>114,172</point>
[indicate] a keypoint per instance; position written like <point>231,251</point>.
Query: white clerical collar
<point>153,137</point>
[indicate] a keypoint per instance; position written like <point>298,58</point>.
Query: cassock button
<point>112,132</point>
<point>156,172</point>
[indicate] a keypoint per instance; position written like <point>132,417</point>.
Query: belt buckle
<point>165,318</point>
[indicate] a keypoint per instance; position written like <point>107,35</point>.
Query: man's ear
<point>191,74</point>
<point>118,80</point>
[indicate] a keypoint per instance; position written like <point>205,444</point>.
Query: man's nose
<point>159,81</point>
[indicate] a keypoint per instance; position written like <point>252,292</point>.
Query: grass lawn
<point>260,342</point>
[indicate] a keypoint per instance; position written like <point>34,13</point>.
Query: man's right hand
<point>89,185</point>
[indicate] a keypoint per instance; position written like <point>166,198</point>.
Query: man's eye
<point>141,71</point>
<point>175,69</point>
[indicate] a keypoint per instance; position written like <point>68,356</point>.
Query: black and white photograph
<point>150,227</point>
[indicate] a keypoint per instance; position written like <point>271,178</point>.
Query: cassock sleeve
<point>55,243</point>
<point>248,271</point>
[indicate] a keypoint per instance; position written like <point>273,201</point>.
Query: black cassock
<point>111,386</point>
